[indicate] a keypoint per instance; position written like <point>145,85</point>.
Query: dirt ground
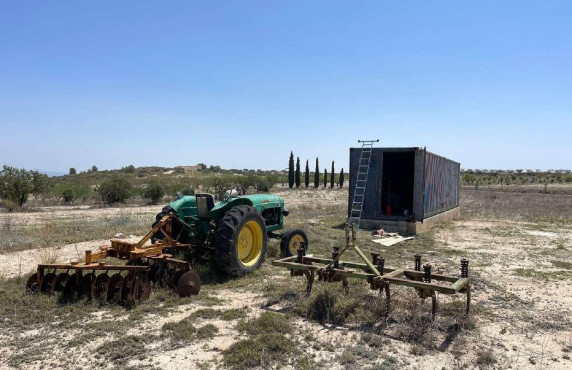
<point>521,273</point>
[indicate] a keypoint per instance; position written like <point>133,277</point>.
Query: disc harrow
<point>146,266</point>
<point>426,283</point>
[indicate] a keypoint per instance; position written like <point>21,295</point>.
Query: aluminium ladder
<point>361,181</point>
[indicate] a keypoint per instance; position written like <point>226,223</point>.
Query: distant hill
<point>53,173</point>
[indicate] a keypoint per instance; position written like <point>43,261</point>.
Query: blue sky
<point>241,83</point>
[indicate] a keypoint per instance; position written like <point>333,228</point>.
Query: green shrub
<point>154,192</point>
<point>68,195</point>
<point>115,189</point>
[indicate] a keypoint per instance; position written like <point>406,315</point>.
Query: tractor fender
<point>220,209</point>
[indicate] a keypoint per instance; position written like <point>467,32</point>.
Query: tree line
<point>294,175</point>
<point>109,187</point>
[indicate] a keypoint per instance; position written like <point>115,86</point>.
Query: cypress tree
<point>325,177</point>
<point>341,178</point>
<point>332,176</point>
<point>307,175</point>
<point>317,175</point>
<point>291,171</point>
<point>297,180</point>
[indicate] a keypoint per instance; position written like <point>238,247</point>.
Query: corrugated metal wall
<point>441,189</point>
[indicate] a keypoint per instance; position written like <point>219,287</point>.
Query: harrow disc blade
<point>32,285</point>
<point>189,284</point>
<point>85,285</point>
<point>141,289</point>
<point>99,287</point>
<point>71,289</point>
<point>113,291</point>
<point>175,279</point>
<point>151,274</point>
<point>167,277</point>
<point>47,283</point>
<point>60,282</point>
<point>161,275</point>
<point>126,291</point>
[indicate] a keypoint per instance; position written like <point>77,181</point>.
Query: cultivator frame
<point>377,275</point>
<point>130,283</point>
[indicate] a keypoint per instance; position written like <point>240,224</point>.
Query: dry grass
<point>328,329</point>
<point>534,207</point>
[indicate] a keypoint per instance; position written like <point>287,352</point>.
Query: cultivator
<point>146,266</point>
<point>425,282</point>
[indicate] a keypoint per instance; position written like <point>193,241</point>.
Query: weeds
<point>267,322</point>
<point>266,350</point>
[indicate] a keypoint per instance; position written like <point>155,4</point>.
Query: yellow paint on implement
<point>294,244</point>
<point>250,241</point>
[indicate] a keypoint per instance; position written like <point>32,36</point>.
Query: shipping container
<point>406,184</point>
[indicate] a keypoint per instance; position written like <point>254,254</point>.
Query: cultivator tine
<point>310,277</point>
<point>387,297</point>
<point>188,284</point>
<point>113,292</point>
<point>465,274</point>
<point>433,305</point>
<point>345,285</point>
<point>468,300</point>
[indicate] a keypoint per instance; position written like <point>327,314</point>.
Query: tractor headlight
<point>285,212</point>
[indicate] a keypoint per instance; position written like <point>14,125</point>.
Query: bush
<point>115,189</point>
<point>68,195</point>
<point>263,186</point>
<point>154,192</point>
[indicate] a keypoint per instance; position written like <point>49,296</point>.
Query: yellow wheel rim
<point>294,244</point>
<point>250,240</point>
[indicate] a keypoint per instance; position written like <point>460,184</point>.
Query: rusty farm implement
<point>421,278</point>
<point>129,283</point>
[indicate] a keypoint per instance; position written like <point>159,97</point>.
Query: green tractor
<point>235,230</point>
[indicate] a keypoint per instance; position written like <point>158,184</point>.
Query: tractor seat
<point>205,202</point>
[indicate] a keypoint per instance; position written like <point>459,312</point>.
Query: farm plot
<point>520,318</point>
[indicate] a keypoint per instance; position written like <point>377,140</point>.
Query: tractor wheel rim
<point>250,241</point>
<point>294,244</point>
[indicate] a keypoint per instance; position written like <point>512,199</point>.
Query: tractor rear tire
<point>290,242</point>
<point>240,242</point>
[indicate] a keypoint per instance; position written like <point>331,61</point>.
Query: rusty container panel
<point>441,180</point>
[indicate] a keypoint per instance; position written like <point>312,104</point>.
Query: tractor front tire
<point>291,241</point>
<point>240,242</point>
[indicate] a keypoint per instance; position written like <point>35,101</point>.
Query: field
<point>519,245</point>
